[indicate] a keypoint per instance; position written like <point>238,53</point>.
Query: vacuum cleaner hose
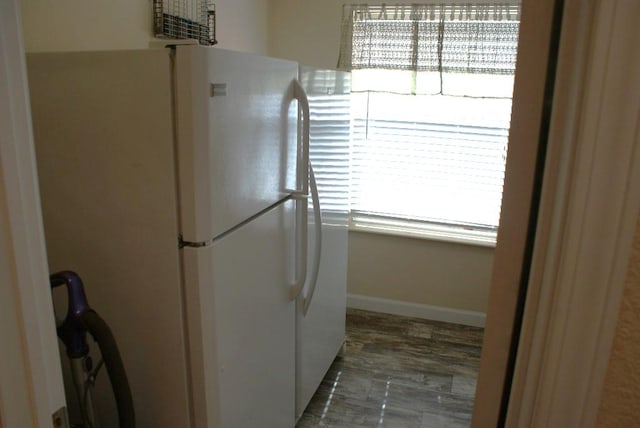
<point>101,333</point>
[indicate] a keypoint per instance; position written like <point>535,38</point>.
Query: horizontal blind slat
<point>406,166</point>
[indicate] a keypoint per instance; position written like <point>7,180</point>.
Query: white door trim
<point>30,376</point>
<point>590,205</point>
<point>512,251</point>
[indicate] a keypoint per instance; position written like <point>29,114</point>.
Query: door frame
<point>513,248</point>
<point>589,211</point>
<point>31,388</point>
<point>588,208</point>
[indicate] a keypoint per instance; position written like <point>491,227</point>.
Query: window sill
<point>423,230</point>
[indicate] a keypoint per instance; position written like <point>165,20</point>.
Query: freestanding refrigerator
<point>174,182</point>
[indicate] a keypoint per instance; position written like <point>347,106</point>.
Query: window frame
<point>423,229</point>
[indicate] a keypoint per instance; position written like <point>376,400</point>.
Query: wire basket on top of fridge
<point>185,19</point>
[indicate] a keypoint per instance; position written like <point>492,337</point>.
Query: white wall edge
<point>416,310</point>
<point>27,338</point>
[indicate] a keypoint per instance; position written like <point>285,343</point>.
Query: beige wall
<point>50,25</point>
<point>621,396</point>
<point>305,31</point>
<point>242,25</point>
<point>434,273</point>
<point>83,25</point>
<point>412,270</point>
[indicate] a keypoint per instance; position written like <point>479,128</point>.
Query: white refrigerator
<point>174,181</point>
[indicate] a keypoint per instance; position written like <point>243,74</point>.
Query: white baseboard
<point>408,309</point>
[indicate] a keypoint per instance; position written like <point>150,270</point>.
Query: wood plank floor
<point>398,372</point>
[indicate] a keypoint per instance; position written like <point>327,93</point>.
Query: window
<point>431,103</point>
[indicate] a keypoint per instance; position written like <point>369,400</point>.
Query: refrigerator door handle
<point>302,173</point>
<point>300,245</point>
<point>302,191</point>
<point>317,218</point>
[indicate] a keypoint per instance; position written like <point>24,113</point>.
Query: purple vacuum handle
<point>72,331</point>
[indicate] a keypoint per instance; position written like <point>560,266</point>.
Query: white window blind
<point>329,104</point>
<point>431,107</point>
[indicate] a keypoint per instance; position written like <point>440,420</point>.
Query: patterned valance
<point>470,38</point>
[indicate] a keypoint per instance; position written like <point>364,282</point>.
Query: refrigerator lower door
<point>241,325</point>
<point>320,333</point>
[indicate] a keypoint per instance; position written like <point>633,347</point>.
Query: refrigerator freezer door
<point>241,325</point>
<point>237,137</point>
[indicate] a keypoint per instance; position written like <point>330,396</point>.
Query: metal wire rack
<point>185,19</point>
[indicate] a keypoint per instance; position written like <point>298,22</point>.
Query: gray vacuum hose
<point>101,333</point>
